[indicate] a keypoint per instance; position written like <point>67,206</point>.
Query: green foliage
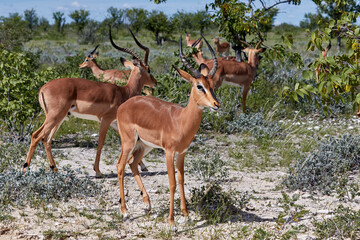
<point>215,205</point>
<point>11,154</point>
<point>344,225</point>
<point>209,166</point>
<point>313,21</point>
<point>137,18</point>
<point>59,21</point>
<point>328,168</point>
<point>13,32</point>
<point>159,24</point>
<point>19,86</point>
<point>31,18</point>
<point>22,188</point>
<point>80,18</point>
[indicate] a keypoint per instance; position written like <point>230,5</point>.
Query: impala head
<point>140,68</point>
<point>89,58</point>
<point>216,40</point>
<point>202,83</point>
<point>253,53</point>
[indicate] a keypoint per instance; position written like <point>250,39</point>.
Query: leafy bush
<point>328,168</point>
<point>216,205</point>
<point>344,225</point>
<point>209,167</point>
<point>19,85</point>
<point>43,186</point>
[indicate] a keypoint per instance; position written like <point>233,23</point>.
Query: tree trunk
<point>338,42</point>
<point>158,42</point>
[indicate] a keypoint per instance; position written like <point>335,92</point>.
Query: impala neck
<point>252,59</point>
<point>135,83</point>
<point>199,58</point>
<point>96,69</point>
<point>191,117</point>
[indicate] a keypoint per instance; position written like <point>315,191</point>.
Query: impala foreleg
<point>181,180</point>
<point>172,184</point>
<point>244,95</point>
<point>104,125</point>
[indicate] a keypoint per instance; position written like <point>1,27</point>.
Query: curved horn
<point>92,52</point>
<point>243,42</point>
<point>215,63</point>
<point>147,50</point>
<point>259,43</point>
<point>123,49</point>
<point>196,42</point>
<point>196,73</point>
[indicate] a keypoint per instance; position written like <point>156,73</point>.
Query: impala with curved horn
<point>146,122</point>
<point>87,99</point>
<point>233,72</point>
<point>110,75</point>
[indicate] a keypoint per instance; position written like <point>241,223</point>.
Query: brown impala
<point>233,72</point>
<point>87,99</point>
<point>110,75</point>
<point>222,47</point>
<point>146,122</point>
<point>189,42</point>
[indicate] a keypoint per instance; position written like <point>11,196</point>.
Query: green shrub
<point>328,168</point>
<point>216,205</point>
<point>12,155</point>
<point>20,188</point>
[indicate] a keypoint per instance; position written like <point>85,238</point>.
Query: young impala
<point>235,73</point>
<point>146,122</point>
<point>110,75</point>
<point>87,99</point>
<point>222,48</point>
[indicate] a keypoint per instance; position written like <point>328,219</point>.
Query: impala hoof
<point>144,168</point>
<point>98,175</point>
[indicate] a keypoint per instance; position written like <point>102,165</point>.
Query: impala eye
<point>200,88</point>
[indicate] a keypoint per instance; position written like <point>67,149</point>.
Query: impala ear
<point>127,63</point>
<point>203,69</point>
<point>186,76</point>
<point>95,55</point>
<point>261,50</point>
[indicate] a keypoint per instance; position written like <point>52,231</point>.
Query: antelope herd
<point>143,122</point>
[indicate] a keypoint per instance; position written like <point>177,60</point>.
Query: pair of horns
<point>196,73</point>
<point>134,54</point>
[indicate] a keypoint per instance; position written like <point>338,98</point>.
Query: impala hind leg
<point>138,155</point>
<point>35,139</point>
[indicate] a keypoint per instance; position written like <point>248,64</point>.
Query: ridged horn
<point>215,63</point>
<point>147,50</point>
<point>196,73</point>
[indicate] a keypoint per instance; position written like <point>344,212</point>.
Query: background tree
<point>237,20</point>
<point>334,9</point>
<point>183,21</point>
<point>44,24</point>
<point>59,21</point>
<point>313,21</point>
<point>31,18</point>
<point>202,20</point>
<point>137,18</point>
<point>158,23</point>
<point>116,17</point>
<point>80,18</point>
<point>13,32</point>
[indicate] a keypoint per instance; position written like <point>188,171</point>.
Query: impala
<point>222,48</point>
<point>320,68</point>
<point>235,73</point>
<point>87,99</point>
<point>110,75</point>
<point>190,43</point>
<point>146,122</point>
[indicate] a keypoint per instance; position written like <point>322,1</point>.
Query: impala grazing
<point>222,48</point>
<point>87,99</point>
<point>190,43</point>
<point>235,73</point>
<point>110,75</point>
<point>146,122</point>
<point>320,69</point>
